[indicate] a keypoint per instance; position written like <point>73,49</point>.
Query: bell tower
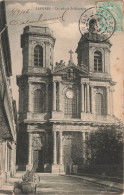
<point>35,91</point>
<point>93,52</point>
<point>37,45</point>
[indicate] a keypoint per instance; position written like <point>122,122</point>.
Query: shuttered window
<point>99,104</point>
<point>38,56</point>
<point>38,101</point>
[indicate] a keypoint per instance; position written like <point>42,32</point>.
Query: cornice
<point>100,79</point>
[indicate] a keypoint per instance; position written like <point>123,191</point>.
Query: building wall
<point>7,106</point>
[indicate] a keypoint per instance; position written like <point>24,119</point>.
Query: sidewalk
<point>109,184</point>
<point>7,188</point>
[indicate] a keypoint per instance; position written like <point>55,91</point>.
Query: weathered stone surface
<point>76,101</point>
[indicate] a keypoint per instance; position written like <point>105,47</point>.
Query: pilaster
<point>29,97</point>
<point>60,92</point>
<point>57,114</point>
<point>47,98</point>
<point>85,98</point>
<point>92,100</point>
<point>111,101</point>
<point>29,166</point>
<point>84,146</point>
<point>108,100</point>
<point>61,149</point>
<point>54,148</point>
<point>54,96</point>
<point>55,166</point>
<point>88,98</point>
<point>6,151</point>
<point>82,97</point>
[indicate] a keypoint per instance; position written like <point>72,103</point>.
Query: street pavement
<point>56,185</point>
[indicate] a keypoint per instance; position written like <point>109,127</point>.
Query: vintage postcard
<point>61,97</point>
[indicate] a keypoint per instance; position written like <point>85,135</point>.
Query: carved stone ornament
<point>66,137</point>
<point>98,90</point>
<point>35,42</point>
<point>36,142</point>
<point>71,74</point>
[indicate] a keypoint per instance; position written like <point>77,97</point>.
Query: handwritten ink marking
<point>17,12</point>
<point>40,19</point>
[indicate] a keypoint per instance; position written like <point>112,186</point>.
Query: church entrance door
<point>38,159</point>
<point>67,156</point>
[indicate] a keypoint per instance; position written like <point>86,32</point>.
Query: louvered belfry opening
<point>97,61</point>
<point>38,56</point>
<point>99,104</point>
<point>38,101</point>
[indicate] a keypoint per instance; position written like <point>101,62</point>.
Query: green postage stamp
<point>115,7</point>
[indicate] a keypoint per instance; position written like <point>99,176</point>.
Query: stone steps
<point>19,174</point>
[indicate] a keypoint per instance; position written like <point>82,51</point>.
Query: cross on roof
<point>71,52</point>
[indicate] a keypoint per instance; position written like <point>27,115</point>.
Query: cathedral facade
<point>59,105</point>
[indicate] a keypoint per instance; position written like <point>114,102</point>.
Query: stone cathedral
<point>59,105</point>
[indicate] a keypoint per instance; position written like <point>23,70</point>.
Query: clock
<point>70,94</point>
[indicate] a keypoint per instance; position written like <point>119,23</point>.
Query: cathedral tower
<point>37,49</point>
<point>34,95</point>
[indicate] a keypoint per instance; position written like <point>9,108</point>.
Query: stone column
<point>29,148</point>
<point>54,96</point>
<point>29,97</point>
<point>60,105</point>
<point>54,148</point>
<point>108,100</point>
<point>92,100</point>
<point>77,102</point>
<point>82,97</point>
<point>46,147</point>
<point>60,149</point>
<point>12,160</point>
<point>47,100</point>
<point>85,98</point>
<point>111,100</point>
<point>88,99</point>
<point>112,105</point>
<point>6,158</point>
<point>84,146</point>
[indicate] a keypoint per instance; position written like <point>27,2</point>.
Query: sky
<point>67,36</point>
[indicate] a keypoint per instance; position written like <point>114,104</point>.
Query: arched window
<point>99,104</point>
<point>70,104</point>
<point>38,56</point>
<point>38,101</point>
<point>97,61</point>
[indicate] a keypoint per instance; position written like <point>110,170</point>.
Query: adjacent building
<point>8,113</point>
<point>59,105</point>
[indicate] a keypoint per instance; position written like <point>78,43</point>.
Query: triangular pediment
<point>70,68</point>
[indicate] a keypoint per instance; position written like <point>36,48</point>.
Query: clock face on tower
<point>69,94</point>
